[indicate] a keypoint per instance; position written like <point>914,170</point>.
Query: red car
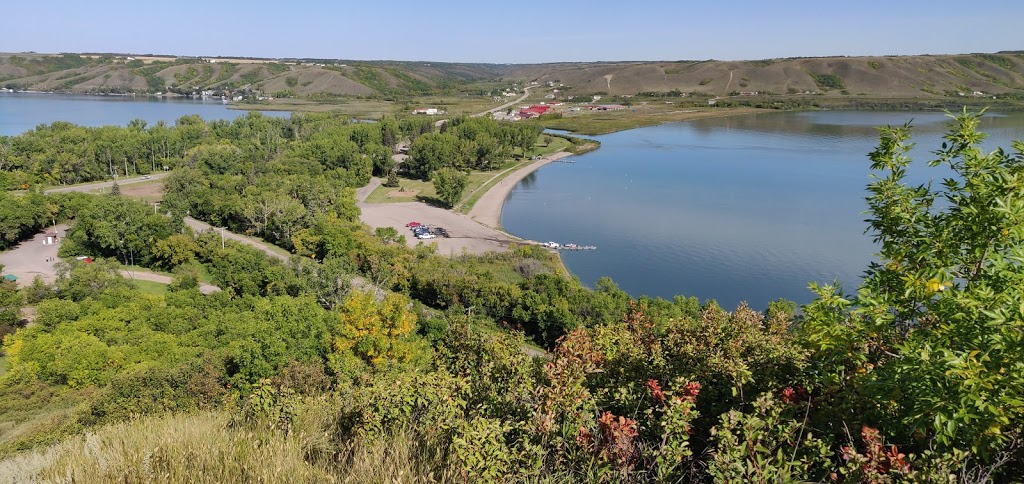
<point>413,225</point>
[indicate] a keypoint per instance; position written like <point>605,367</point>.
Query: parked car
<point>422,229</point>
<point>413,224</point>
<point>426,235</point>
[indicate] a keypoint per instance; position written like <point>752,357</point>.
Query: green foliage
<point>930,346</point>
<point>467,143</point>
<point>828,81</point>
<point>196,384</point>
<point>767,445</point>
<point>378,333</point>
<point>10,305</point>
<point>450,184</point>
<point>998,60</point>
<point>174,251</point>
<point>120,227</point>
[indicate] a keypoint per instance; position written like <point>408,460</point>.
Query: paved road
<point>526,94</point>
<point>88,187</point>
<point>364,192</point>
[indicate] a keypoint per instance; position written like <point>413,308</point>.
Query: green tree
<point>10,303</point>
<point>175,250</point>
<point>449,184</point>
<point>931,346</point>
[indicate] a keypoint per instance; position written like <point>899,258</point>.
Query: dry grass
<point>205,447</point>
<point>176,448</point>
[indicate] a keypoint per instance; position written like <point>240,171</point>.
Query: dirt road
<point>200,226</point>
<point>162,279</point>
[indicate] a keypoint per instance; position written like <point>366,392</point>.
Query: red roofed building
<point>533,111</point>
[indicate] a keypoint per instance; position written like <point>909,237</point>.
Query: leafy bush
<point>828,81</point>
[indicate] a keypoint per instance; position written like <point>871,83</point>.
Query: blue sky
<point>514,32</point>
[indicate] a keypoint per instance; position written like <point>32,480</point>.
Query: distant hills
<point>926,76</point>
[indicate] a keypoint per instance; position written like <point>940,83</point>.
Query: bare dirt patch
<point>151,192</point>
<point>403,193</point>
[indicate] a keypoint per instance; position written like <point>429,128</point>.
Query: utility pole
<point>222,237</point>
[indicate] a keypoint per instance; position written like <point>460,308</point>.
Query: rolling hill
<point>926,76</point>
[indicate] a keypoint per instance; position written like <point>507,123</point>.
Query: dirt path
<point>162,279</point>
<point>200,226</point>
<point>487,210</point>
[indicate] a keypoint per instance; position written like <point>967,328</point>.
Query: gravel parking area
<point>33,258</point>
<point>466,234</point>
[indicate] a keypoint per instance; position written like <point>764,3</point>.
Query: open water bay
<point>21,112</point>
<point>745,208</point>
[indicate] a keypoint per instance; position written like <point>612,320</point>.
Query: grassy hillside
<point>285,78</point>
<point>902,76</point>
<point>929,76</point>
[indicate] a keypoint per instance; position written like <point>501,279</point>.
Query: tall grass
<point>171,449</point>
<point>206,447</point>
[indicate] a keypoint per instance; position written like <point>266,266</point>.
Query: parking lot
<point>33,258</point>
<point>464,234</point>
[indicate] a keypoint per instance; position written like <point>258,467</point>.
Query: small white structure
<point>51,238</point>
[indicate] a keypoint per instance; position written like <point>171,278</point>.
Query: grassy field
<point>150,287</point>
<point>411,190</point>
<point>37,414</point>
<point>357,108</point>
<point>375,108</point>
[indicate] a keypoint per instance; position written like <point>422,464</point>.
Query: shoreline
<point>488,208</point>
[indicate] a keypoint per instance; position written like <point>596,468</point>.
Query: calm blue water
<point>746,208</point>
<point>20,112</point>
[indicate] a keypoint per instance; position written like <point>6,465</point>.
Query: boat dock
<point>557,246</point>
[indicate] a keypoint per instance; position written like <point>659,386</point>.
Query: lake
<point>744,208</point>
<point>20,112</point>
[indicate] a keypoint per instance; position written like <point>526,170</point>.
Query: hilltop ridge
<point>922,76</point>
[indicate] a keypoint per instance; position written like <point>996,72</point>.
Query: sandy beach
<point>475,233</point>
<point>488,209</point>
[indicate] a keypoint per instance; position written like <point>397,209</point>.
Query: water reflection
<point>739,208</point>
